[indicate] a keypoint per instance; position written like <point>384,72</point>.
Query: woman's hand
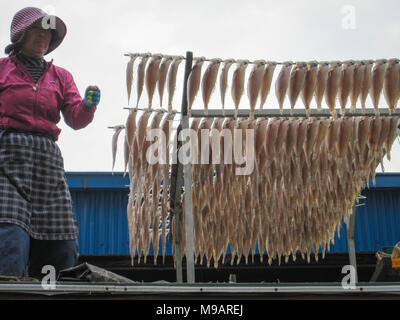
<point>92,97</point>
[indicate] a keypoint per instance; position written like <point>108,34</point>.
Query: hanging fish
<point>238,83</point>
<point>267,82</point>
<point>322,81</point>
<point>126,155</point>
<point>366,83</point>
<point>392,84</point>
<point>130,135</point>
<point>309,85</point>
<point>324,127</point>
<point>332,87</point>
<point>296,84</point>
<point>254,84</point>
<point>152,76</point>
<point>312,135</point>
<point>393,132</point>
<point>358,81</point>
<point>131,126</point>
<point>363,134</point>
<point>346,84</point>
<point>282,83</point>
<point>164,68</point>
<point>118,130</point>
<point>224,80</point>
<point>129,74</point>
<point>141,76</point>
<point>194,82</point>
<point>345,136</point>
<point>386,123</point>
<point>377,81</point>
<point>173,72</point>
<point>209,81</point>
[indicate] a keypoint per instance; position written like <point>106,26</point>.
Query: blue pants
<point>20,255</point>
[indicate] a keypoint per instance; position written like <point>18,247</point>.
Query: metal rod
<point>176,209</point>
<point>297,113</point>
<point>189,228</point>
<point>63,289</point>
<point>176,187</point>
<point>250,62</point>
<point>350,241</point>
<point>151,109</point>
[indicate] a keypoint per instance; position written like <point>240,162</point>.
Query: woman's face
<point>36,41</point>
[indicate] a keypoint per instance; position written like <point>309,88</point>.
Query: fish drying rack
<point>182,172</point>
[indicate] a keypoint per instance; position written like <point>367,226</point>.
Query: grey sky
<point>100,32</point>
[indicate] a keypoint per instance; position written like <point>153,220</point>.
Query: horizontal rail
<point>287,113</point>
<point>251,62</point>
<point>196,289</point>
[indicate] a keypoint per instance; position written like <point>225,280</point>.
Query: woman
<point>37,225</point>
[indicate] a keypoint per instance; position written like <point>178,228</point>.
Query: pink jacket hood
<point>31,107</point>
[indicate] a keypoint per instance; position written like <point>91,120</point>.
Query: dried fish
<point>332,87</point>
<point>377,81</point>
<point>346,84</point>
<point>224,80</point>
<point>282,83</point>
<point>267,82</point>
<point>194,82</point>
<point>308,172</point>
<point>322,81</point>
<point>358,81</point>
<point>392,83</point>
<point>129,74</point>
<point>296,84</point>
<point>118,130</point>
<point>172,75</point>
<point>366,83</point>
<point>310,85</point>
<point>141,76</point>
<point>130,135</point>
<point>164,68</point>
<point>254,84</point>
<point>393,132</point>
<point>152,75</point>
<point>209,81</point>
<point>238,83</point>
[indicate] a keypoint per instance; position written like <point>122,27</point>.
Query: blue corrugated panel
<point>377,222</point>
<point>100,201</point>
<point>103,226</point>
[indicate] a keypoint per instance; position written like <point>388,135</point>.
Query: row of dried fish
<point>347,82</point>
<point>147,211</point>
<point>153,71</point>
<point>343,81</point>
<point>308,176</point>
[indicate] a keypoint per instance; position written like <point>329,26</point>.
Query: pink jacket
<point>26,106</point>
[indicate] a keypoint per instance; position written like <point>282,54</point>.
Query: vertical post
<point>187,169</point>
<point>176,208</point>
<point>177,180</point>
<point>350,241</point>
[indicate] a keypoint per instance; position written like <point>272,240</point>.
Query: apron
<point>33,190</point>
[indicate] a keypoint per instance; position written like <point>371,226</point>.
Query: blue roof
<point>100,201</point>
<point>108,180</point>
